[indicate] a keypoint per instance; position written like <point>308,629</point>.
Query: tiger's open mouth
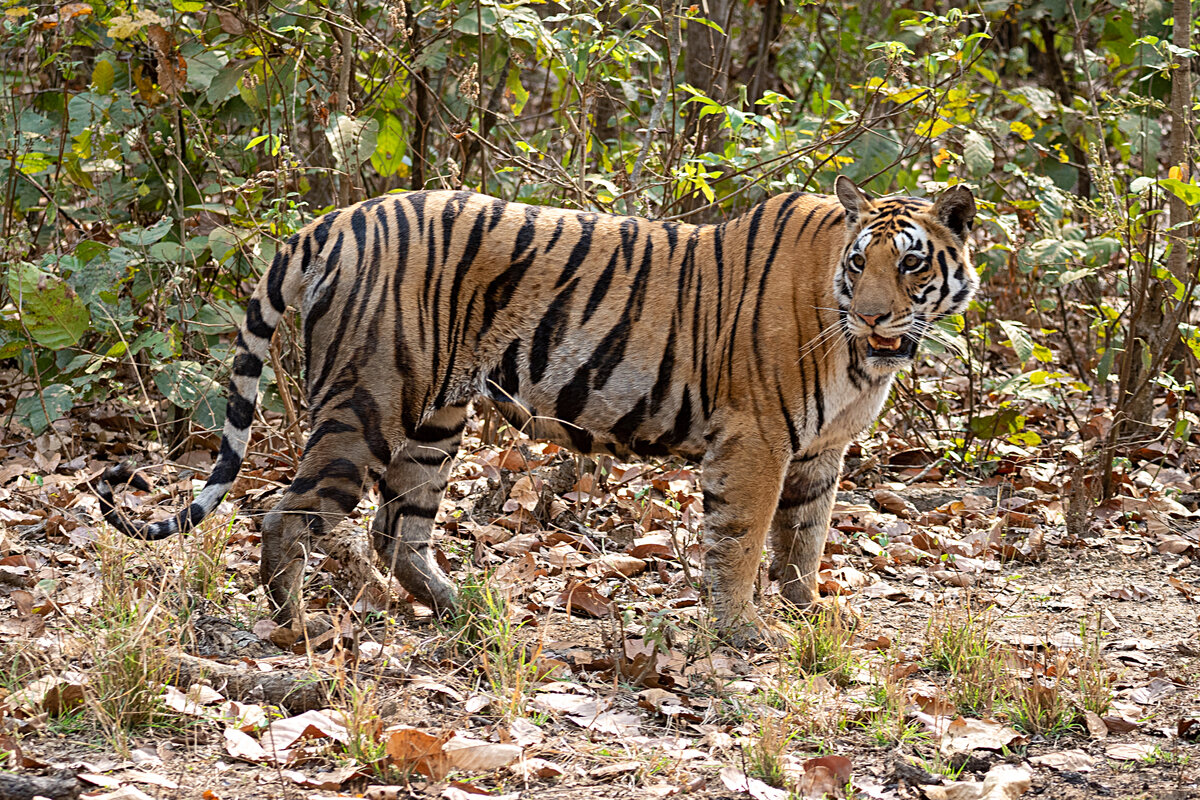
<point>891,347</point>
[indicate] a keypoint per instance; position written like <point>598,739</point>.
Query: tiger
<point>758,348</point>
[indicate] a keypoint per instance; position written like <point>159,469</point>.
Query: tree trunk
<point>1181,94</point>
<point>345,182</point>
<point>1152,330</point>
<point>420,80</point>
<point>763,76</point>
<point>1048,67</point>
<point>604,106</point>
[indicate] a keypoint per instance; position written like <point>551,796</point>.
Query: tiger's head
<point>905,265</point>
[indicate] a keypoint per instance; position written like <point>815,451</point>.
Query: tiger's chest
<point>850,409</point>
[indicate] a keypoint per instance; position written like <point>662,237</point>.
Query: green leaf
<point>223,242</point>
<point>49,308</point>
<point>1187,192</point>
<point>33,163</point>
<point>12,339</point>
<point>388,157</point>
<point>1104,368</point>
<point>1017,336</point>
<point>520,93</point>
<point>144,237</point>
<point>352,140</point>
<point>40,410</point>
<point>978,154</point>
<point>1141,184</point>
<point>189,386</point>
<point>102,77</point>
<point>1072,275</point>
<point>203,68</point>
<point>1003,423</point>
<point>225,84</point>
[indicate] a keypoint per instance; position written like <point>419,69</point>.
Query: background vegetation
<point>1036,591</point>
<point>152,156</point>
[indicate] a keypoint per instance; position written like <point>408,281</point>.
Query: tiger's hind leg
<point>801,523</point>
<point>327,487</point>
<point>410,493</point>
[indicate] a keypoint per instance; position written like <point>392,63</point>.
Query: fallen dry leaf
<point>53,694</point>
<point>1095,725</point>
<point>243,716</point>
<point>242,745</point>
<point>465,791</point>
<point>414,749</point>
<point>329,781</point>
<point>892,502</point>
<point>475,755</point>
<point>536,768</point>
<point>965,735</point>
<point>1128,751</point>
<point>1156,690</point>
<point>617,565</point>
<point>617,768</point>
<point>1002,782</point>
<point>1069,760</point>
<point>282,734</point>
<point>615,723</point>
<point>525,733</point>
<point>1115,724</point>
<point>823,777</point>
<point>736,781</point>
<point>579,597</point>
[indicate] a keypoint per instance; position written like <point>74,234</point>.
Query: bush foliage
<point>155,154</point>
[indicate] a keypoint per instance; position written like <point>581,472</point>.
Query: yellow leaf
<point>1021,129</point>
<point>122,27</point>
<point>933,128</point>
<point>940,157</point>
<point>1175,172</point>
<point>905,95</point>
<point>16,12</point>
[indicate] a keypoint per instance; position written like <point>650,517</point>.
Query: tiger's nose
<point>870,319</point>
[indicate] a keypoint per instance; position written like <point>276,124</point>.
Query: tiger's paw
<point>799,595</point>
<point>752,632</point>
<point>430,590</point>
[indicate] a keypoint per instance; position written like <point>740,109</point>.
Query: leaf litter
<point>599,569</point>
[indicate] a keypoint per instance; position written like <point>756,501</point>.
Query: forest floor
<point>972,643</point>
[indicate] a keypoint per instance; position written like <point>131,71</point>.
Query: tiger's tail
<point>263,312</point>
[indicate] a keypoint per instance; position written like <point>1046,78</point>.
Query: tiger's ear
<point>955,208</point>
<point>853,199</point>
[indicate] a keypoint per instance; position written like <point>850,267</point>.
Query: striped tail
<point>263,313</point>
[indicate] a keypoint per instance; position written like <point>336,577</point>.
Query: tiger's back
<point>729,344</point>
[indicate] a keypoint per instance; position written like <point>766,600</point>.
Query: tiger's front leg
<point>801,523</point>
<point>741,482</point>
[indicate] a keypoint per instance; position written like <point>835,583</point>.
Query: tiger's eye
<point>857,261</point>
<point>912,261</point>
